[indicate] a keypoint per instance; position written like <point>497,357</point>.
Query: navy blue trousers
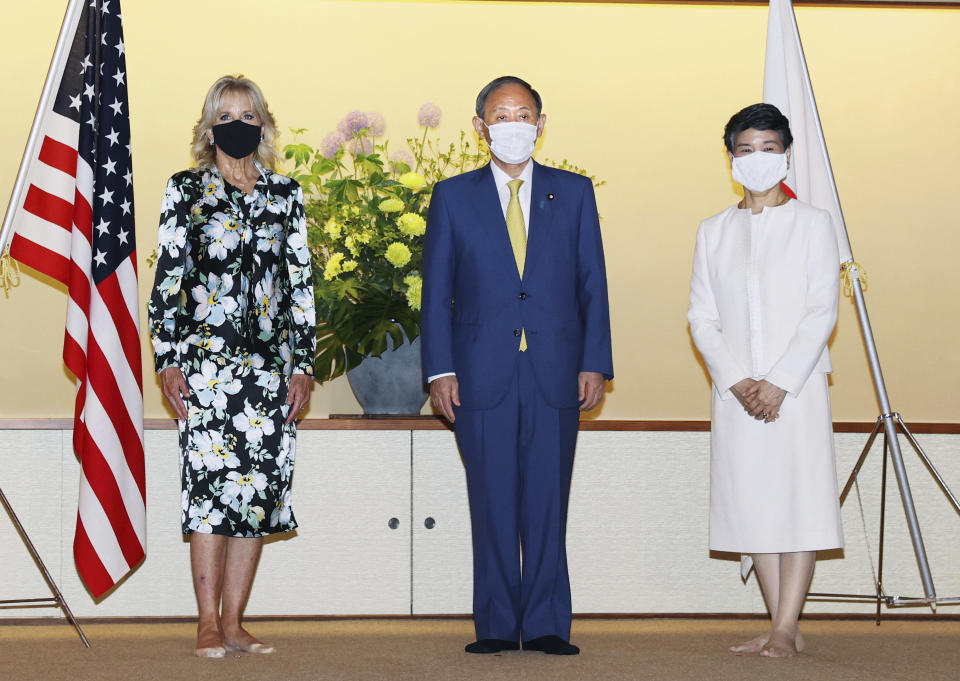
<point>519,459</point>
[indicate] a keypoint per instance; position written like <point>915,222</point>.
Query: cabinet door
<point>350,554</point>
<point>442,549</point>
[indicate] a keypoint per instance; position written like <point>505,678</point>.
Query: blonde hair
<point>204,153</point>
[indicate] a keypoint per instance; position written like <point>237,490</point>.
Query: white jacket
<point>764,295</point>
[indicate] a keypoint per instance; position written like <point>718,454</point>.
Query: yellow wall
<point>638,94</point>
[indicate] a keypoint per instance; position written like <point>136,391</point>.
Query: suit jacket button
<point>516,332</point>
<point>523,295</point>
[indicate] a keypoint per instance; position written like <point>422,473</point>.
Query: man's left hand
<point>298,395</point>
<point>591,386</point>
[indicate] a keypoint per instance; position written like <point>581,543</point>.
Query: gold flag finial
<point>9,272</point>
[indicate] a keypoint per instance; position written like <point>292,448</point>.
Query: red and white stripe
<point>101,348</point>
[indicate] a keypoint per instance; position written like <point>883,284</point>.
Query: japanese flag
<point>786,85</point>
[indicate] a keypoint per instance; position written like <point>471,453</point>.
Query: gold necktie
<point>518,238</point>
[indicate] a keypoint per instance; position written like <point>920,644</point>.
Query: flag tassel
<point>9,272</point>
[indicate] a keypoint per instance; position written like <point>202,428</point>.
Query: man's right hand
<point>444,394</point>
<point>175,388</point>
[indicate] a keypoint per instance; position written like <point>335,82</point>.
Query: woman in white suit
<point>763,303</point>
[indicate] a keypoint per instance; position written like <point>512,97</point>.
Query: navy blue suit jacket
<point>475,303</point>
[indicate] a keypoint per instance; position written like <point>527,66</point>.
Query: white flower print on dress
<point>208,343</point>
<point>281,514</point>
<point>254,424</point>
<point>243,487</point>
<point>172,236</point>
<point>212,385</point>
<point>269,239</point>
<point>266,302</point>
<point>204,517</point>
<point>213,302</point>
<point>269,380</point>
<point>297,243</point>
<point>224,233</point>
<point>302,309</point>
<point>215,452</point>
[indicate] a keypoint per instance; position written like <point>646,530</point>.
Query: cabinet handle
<point>429,523</point>
<point>393,523</point>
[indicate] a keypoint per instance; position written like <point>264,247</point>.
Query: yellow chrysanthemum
<point>333,229</point>
<point>351,243</point>
<point>412,181</point>
<point>412,224</point>
<point>398,254</point>
<point>333,267</point>
<point>414,292</point>
<point>366,236</point>
<point>349,265</point>
<point>391,205</point>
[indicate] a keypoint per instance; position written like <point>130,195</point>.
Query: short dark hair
<point>500,82</point>
<point>758,117</point>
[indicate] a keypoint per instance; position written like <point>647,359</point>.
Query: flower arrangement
<point>366,212</point>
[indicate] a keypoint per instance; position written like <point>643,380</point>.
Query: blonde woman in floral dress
<point>233,331</point>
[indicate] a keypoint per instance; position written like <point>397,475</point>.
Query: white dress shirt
<point>524,194</point>
<point>503,191</point>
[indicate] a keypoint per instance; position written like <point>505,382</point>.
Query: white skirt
<point>773,486</point>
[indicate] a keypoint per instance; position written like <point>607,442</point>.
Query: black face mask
<point>236,138</point>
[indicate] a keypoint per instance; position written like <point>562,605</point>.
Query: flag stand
<point>888,419</point>
<point>57,600</point>
<point>881,595</point>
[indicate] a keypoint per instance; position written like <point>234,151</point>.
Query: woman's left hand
<point>763,400</point>
<point>298,395</point>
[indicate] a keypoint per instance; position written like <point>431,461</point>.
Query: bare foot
<point>779,645</point>
<point>209,641</point>
<point>754,645</point>
<point>243,641</point>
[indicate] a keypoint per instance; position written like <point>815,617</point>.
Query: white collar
<point>501,178</point>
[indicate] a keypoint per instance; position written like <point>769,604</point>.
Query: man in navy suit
<point>516,343</point>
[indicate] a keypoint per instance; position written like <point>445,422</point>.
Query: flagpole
<point>60,53</point>
<point>886,413</point>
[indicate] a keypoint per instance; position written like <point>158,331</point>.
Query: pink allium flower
<point>378,124</point>
<point>429,115</point>
<point>353,123</point>
<point>360,145</point>
<point>330,144</point>
<point>398,157</point>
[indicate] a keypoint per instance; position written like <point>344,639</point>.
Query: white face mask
<point>512,141</point>
<point>760,170</point>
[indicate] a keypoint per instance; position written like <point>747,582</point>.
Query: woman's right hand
<point>174,388</point>
<point>741,389</point>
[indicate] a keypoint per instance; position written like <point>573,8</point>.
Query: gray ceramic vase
<point>391,383</point>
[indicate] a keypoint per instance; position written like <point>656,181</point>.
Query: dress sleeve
<point>303,321</point>
<point>705,327</point>
<point>171,261</point>
<point>795,365</point>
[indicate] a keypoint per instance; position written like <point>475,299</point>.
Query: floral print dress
<point>232,307</point>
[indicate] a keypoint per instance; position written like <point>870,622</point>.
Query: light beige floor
<point>425,650</point>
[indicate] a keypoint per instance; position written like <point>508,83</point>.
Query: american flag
<point>75,224</point>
